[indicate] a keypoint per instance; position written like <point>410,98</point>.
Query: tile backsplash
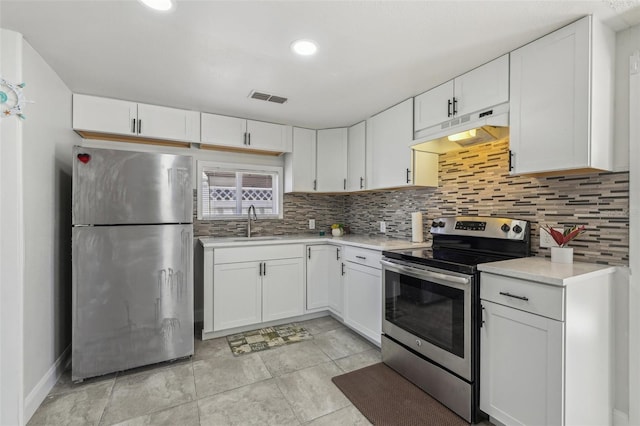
<point>475,182</point>
<point>298,209</point>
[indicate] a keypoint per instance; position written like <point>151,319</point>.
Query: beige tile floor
<point>290,385</point>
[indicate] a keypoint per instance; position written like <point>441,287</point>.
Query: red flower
<point>563,238</point>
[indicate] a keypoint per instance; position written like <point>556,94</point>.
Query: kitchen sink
<point>265,238</point>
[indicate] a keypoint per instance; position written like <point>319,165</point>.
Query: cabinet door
<point>389,135</point>
<point>521,366</point>
<point>432,107</point>
<point>335,283</point>
<point>363,300</point>
<point>237,295</point>
<point>168,123</point>
<point>483,87</point>
<point>356,141</point>
<point>549,106</point>
<point>282,282</point>
<point>223,130</point>
<point>300,164</point>
<point>332,160</point>
<point>318,275</point>
<point>104,115</point>
<point>269,136</point>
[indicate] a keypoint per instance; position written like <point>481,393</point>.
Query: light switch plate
<point>383,227</point>
<point>546,240</point>
<point>312,224</point>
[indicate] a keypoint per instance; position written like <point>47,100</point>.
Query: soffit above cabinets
<point>209,55</point>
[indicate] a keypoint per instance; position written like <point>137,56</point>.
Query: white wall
<point>11,243</point>
<point>634,249</point>
<point>47,141</point>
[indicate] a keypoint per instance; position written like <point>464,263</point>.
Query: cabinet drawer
<point>541,299</point>
<point>257,253</point>
<point>363,256</point>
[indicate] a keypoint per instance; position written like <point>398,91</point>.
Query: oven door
<point>429,311</point>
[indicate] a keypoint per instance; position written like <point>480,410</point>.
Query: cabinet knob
<point>418,342</point>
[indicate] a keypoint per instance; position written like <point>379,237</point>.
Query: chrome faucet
<point>251,207</point>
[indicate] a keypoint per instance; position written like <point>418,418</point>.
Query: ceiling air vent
<point>267,97</point>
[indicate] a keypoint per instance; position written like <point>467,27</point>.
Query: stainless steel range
<point>431,320</point>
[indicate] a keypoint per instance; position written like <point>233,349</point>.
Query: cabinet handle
<point>244,140</point>
<point>361,257</point>
<point>344,185</point>
<point>342,268</point>
<point>260,273</point>
<point>361,182</point>
<point>455,106</point>
<point>133,125</point>
<point>504,293</point>
<point>511,158</point>
<point>408,176</point>
<point>139,126</point>
<point>449,108</point>
<point>264,268</point>
<point>337,253</point>
<point>481,316</point>
<point>315,185</point>
<point>309,252</point>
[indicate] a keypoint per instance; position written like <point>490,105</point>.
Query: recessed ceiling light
<point>304,47</point>
<point>162,5</point>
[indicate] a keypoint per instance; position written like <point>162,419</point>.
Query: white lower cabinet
<point>324,280</point>
<point>545,350</point>
<point>237,295</point>
<point>248,290</point>
<point>521,367</point>
<point>363,294</point>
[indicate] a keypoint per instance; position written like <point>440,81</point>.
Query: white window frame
<point>203,166</point>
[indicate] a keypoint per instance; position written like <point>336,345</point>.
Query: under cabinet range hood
<point>484,126</point>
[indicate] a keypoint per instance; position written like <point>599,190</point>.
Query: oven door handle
<point>424,273</point>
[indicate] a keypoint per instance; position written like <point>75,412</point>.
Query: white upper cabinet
<point>482,87</point>
<point>300,163</point>
<point>232,132</point>
<point>356,142</point>
<point>168,123</point>
<point>96,115</point>
<point>223,131</point>
<point>390,161</point>
<point>562,100</point>
<point>331,159</point>
<point>269,136</point>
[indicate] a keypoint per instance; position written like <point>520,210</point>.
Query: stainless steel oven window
<point>430,311</point>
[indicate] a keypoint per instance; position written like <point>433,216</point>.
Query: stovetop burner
<point>462,243</point>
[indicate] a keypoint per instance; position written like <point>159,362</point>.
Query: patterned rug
<point>266,338</point>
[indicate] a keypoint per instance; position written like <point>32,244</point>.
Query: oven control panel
<point>479,226</point>
<point>467,225</point>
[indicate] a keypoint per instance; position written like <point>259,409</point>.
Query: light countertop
<point>544,271</point>
<point>374,243</point>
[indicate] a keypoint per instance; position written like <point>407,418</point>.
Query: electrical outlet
<point>546,240</point>
<point>383,227</point>
<point>312,224</point>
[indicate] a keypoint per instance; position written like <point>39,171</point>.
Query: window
<point>227,191</point>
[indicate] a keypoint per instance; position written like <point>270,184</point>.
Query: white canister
<point>561,254</point>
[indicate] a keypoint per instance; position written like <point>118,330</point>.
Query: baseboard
<point>44,386</point>
<point>620,418</point>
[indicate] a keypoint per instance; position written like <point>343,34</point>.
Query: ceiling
<point>209,55</point>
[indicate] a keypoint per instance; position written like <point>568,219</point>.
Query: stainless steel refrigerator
<point>132,260</point>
